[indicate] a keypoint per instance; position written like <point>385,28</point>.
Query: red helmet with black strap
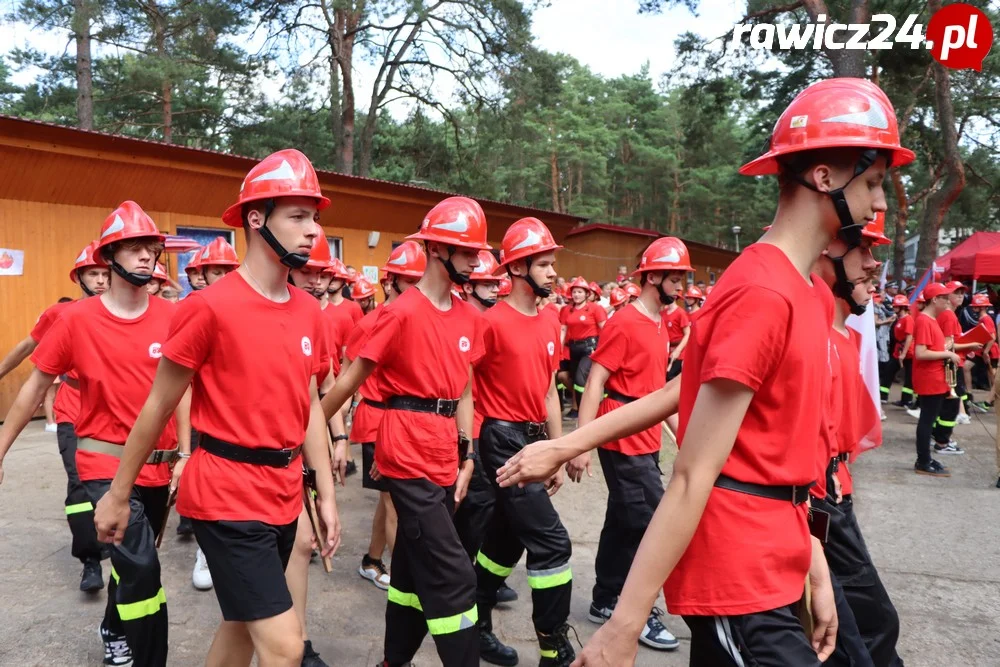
<point>454,222</point>
<point>525,239</point>
<point>664,255</point>
<point>505,288</point>
<point>128,222</point>
<point>362,289</point>
<point>88,258</point>
<point>632,290</point>
<point>618,297</point>
<point>218,252</point>
<point>320,257</point>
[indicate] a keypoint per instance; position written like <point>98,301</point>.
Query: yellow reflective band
<point>451,624</point>
<point>907,391</point>
<point>114,575</point>
<point>546,653</point>
<point>136,610</point>
<point>885,389</point>
<point>397,596</point>
<point>578,388</point>
<point>491,566</point>
<point>557,576</point>
<point>560,386</point>
<point>942,422</point>
<point>79,508</point>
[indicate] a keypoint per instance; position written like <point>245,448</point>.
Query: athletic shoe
<point>310,658</point>
<point>116,650</point>
<point>506,594</point>
<point>901,404</point>
<point>572,414</point>
<point>884,417</point>
<point>51,428</point>
<point>202,576</point>
<point>656,634</point>
<point>998,482</point>
<point>951,448</point>
<point>963,420</point>
<point>352,468</point>
<point>982,407</point>
<point>92,578</point>
<point>599,615</point>
<point>184,527</point>
<point>913,412</point>
<point>932,468</point>
<point>373,569</point>
<point>885,401</point>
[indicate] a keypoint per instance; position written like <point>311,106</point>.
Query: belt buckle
<point>795,495</point>
<point>445,407</point>
<point>157,457</point>
<point>288,457</point>
<point>535,428</point>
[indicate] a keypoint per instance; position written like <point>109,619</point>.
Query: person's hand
<point>374,473</point>
<point>577,466</point>
<point>824,609</point>
<point>111,518</point>
<point>329,525</point>
<point>339,462</point>
<point>462,484</point>
<point>175,477</point>
<point>554,483</point>
<point>956,358</point>
<point>609,647</point>
<point>837,491</point>
<point>536,462</point>
<point>673,358</point>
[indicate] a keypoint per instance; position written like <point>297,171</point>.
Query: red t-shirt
<point>254,360</point>
<point>767,328</point>
<point>987,321</point>
<point>948,321</point>
<point>900,330</point>
<point>348,308</point>
<point>515,373</point>
<point>364,427</point>
<point>551,311</point>
<point>422,352</point>
<point>675,321</point>
<point>582,322</point>
<point>634,350</point>
<point>115,361</point>
<point>67,404</point>
<point>340,322</point>
<point>847,351</point>
<point>928,376</point>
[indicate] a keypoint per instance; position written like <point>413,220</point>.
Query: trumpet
<point>951,377</point>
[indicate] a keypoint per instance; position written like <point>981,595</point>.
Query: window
<point>204,236</point>
<point>690,278</point>
<point>336,247</point>
<point>711,277</point>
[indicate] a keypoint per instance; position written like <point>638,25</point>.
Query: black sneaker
<point>599,615</point>
<point>310,658</point>
<point>184,527</point>
<point>998,482</point>
<point>901,404</point>
<point>951,448</point>
<point>506,594</point>
<point>352,468</point>
<point>573,414</point>
<point>932,468</point>
<point>92,578</point>
<point>116,650</point>
<point>492,650</point>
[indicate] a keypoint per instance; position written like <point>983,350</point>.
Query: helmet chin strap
<point>843,288</point>
<point>83,285</point>
<point>134,279</point>
<point>487,303</point>
<point>543,292</point>
<point>455,276</point>
<point>850,231</point>
<point>292,260</point>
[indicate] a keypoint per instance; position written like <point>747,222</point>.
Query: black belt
<point>375,404</point>
<point>446,407</point>
<point>272,458</point>
<point>621,398</point>
<point>531,429</point>
<point>845,457</point>
<point>794,494</point>
<point>581,341</point>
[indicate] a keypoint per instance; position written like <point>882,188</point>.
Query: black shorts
<point>564,365</point>
<point>247,560</point>
<point>367,459</point>
<point>774,638</point>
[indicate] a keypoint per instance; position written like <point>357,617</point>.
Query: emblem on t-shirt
<point>583,318</point>
<point>551,347</point>
<point>154,351</point>
<point>307,346</point>
<point>463,344</point>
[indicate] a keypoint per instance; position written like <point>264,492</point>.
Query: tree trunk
<point>845,62</point>
<point>554,179</point>
<point>941,200</point>
<point>902,219</point>
<point>675,204</point>
<point>166,86</point>
<point>335,109</point>
<point>348,20</point>
<point>84,72</point>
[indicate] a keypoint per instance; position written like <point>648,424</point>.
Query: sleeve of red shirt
<point>479,343</point>
<point>922,332</point>
<point>600,315</point>
<point>44,323</point>
<point>949,325</point>
<point>327,338</point>
<point>354,343</point>
<point>610,351</point>
<point>685,319</point>
<point>191,333</point>
<point>54,354</point>
<point>384,339</point>
<point>563,315</point>
<point>746,341</point>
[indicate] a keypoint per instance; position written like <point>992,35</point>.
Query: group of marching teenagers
<point>236,399</point>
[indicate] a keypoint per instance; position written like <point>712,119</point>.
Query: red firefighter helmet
<point>595,288</point>
<point>900,301</point>
<point>506,285</point>
<point>834,113</point>
<point>407,259</point>
<point>708,290</point>
<point>319,256</point>
<point>665,254</point>
<point>160,273</point>
<point>980,301</point>
<point>218,253</point>
<point>618,297</point>
<point>194,264</point>
<point>526,237</point>
<point>694,293</point>
<point>86,259</point>
<point>287,173</point>
<point>487,268</point>
<point>875,230</point>
<point>457,221</point>
<point>128,221</point>
<point>362,289</point>
<point>578,282</point>
<point>632,289</point>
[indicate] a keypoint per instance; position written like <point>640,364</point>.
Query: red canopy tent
<point>959,261</point>
<point>983,265</point>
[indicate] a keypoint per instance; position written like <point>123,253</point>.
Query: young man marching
<point>516,394</point>
<point>902,334</point>
<point>678,324</point>
<point>630,362</point>
<point>738,491</point>
<point>217,259</point>
<point>582,322</point>
<point>113,343</point>
<point>952,329</point>
<point>405,266</point>
<point>424,344</point>
<point>249,344</point>
<point>92,277</point>
<point>342,307</point>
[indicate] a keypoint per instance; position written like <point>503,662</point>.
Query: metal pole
<point>737,243</point>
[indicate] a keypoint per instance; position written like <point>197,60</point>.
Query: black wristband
<point>340,437</point>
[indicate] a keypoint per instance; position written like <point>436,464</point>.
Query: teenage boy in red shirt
<point>113,343</point>
<point>630,362</point>
<point>256,412</point>
<point>516,394</point>
<point>952,329</point>
<point>678,324</point>
<point>937,409</point>
<point>424,345</point>
<point>582,322</point>
<point>92,278</point>
<point>745,365</point>
<point>342,307</point>
<point>405,266</point>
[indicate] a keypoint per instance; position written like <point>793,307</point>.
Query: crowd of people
<point>240,402</point>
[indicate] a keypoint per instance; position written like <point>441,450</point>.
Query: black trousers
<point>473,515</point>
<point>772,638</point>
<point>887,375</point>
<point>523,520</point>
<point>634,491</point>
<point>937,419</point>
<point>908,396</point>
<point>871,610</point>
<point>433,583</point>
<point>137,605</point>
<point>579,365</point>
<point>79,508</point>
<point>675,369</point>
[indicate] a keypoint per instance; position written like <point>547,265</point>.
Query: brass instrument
<point>951,377</point>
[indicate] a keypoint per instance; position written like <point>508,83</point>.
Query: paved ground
<point>935,542</point>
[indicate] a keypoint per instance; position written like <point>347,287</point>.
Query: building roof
<point>649,233</point>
